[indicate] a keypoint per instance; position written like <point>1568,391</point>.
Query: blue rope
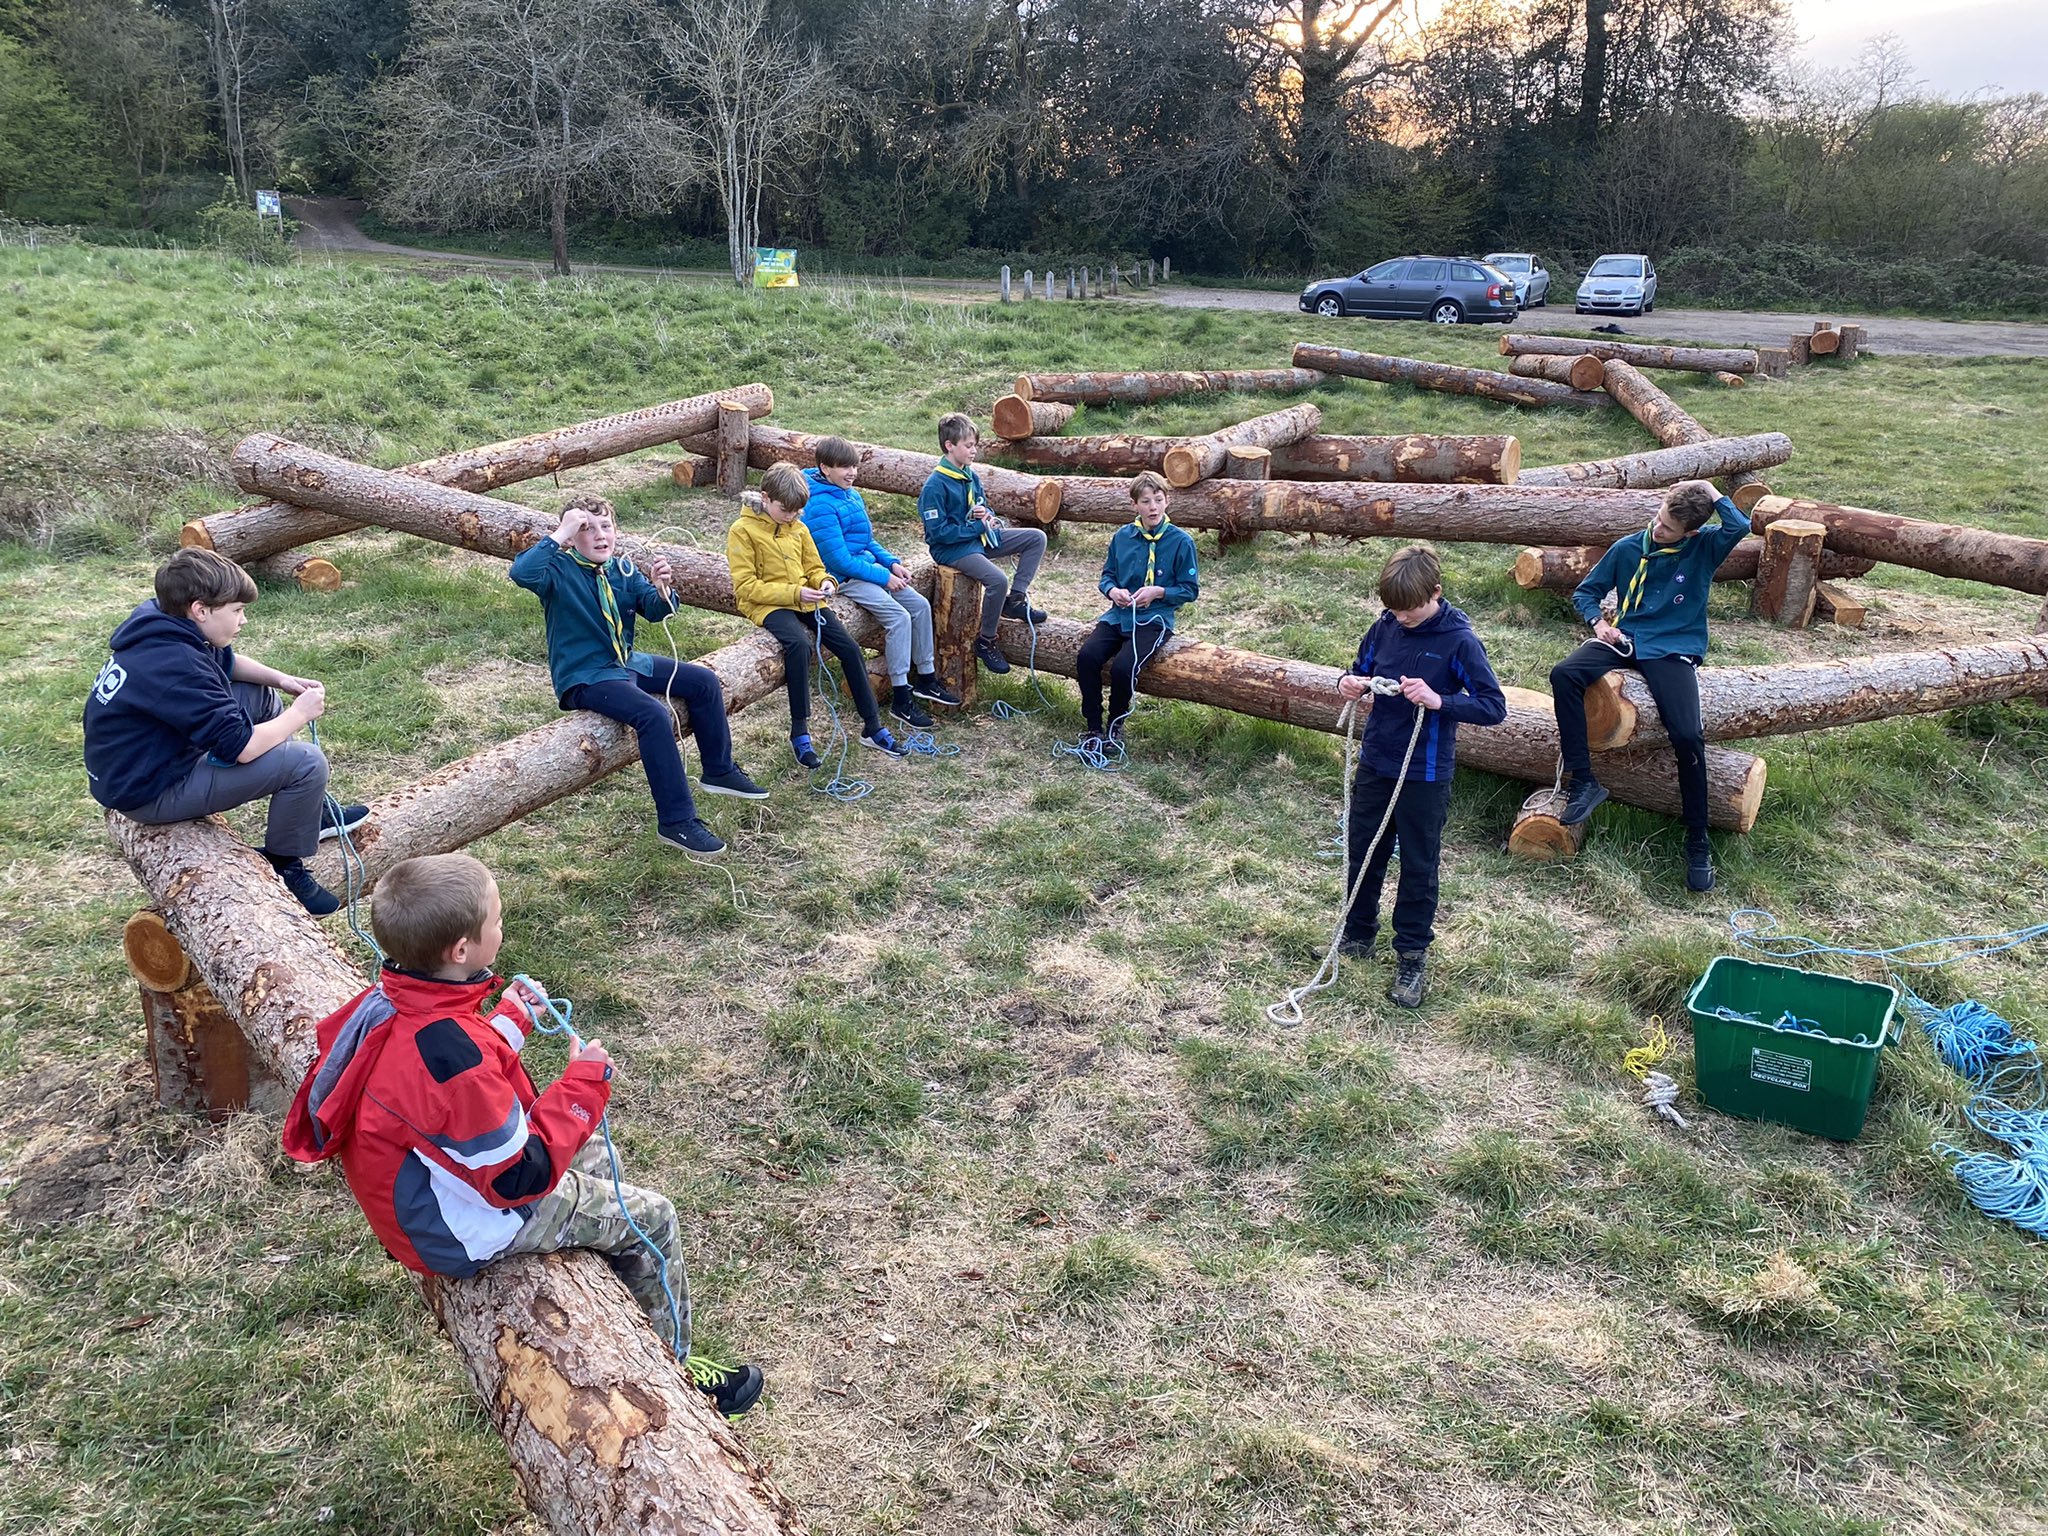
<point>922,743</point>
<point>354,873</point>
<point>839,787</point>
<point>1110,755</point>
<point>1789,1023</point>
<point>1003,709</point>
<point>1763,935</point>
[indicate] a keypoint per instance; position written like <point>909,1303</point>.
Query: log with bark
<point>1773,362</point>
<point>1200,458</point>
<point>1667,421</point>
<point>732,448</point>
<point>1683,359</point>
<point>199,1061</point>
<point>1015,418</point>
<point>1799,351</point>
<point>268,528</point>
<point>1448,378</point>
<point>1560,569</point>
<point>694,472</point>
<point>1705,460</point>
<point>1825,340</point>
<point>1115,453</point>
<point>1852,340</point>
<point>1580,371</point>
<point>1143,388</point>
<point>1243,464</point>
<point>1302,693</point>
<point>309,573</point>
<point>1419,458</point>
<point>605,1432</point>
<point>899,471</point>
<point>1969,554</point>
<point>1788,574</point>
<point>1540,833</point>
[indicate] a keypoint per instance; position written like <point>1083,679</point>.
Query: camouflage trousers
<point>584,1211</point>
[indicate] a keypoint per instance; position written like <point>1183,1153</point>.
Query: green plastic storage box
<point>1817,1082</point>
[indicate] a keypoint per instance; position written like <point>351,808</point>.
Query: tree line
<point>1239,136</point>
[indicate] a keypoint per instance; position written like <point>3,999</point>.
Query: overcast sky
<point>1959,47</point>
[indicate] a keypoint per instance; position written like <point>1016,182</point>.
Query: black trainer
<point>733,1389</point>
<point>352,816</point>
<point>1367,949</point>
<point>926,686</point>
<point>904,706</point>
<point>1699,865</point>
<point>1406,991</point>
<point>989,656</point>
<point>1585,798</point>
<point>1018,606</point>
<point>733,783</point>
<point>801,746</point>
<point>693,837</point>
<point>878,737</point>
<point>298,879</point>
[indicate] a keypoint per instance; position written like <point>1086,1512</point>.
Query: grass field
<point>993,1160</point>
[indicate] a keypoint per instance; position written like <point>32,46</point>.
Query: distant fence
<point>1095,282</point>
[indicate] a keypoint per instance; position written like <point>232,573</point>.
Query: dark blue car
<point>1445,289</point>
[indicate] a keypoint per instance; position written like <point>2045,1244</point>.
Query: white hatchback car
<point>1620,285</point>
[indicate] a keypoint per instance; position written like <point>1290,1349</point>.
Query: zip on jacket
<point>770,562</point>
<point>1446,653</point>
<point>845,536</point>
<point>945,506</point>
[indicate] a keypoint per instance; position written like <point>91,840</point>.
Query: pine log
<point>1668,422</point>
<point>694,472</point>
<point>1969,554</point>
<point>153,953</point>
<point>1729,380</point>
<point>1773,362</point>
<point>1834,604</point>
<point>899,471</point>
<point>309,573</point>
<point>1799,350</point>
<point>1015,418</point>
<point>1116,453</point>
<point>1200,458</point>
<point>956,625</point>
<point>267,528</point>
<point>1418,458</point>
<point>1684,359</point>
<point>1704,460</point>
<point>1446,377</point>
<point>1747,495</point>
<point>1243,463</point>
<point>1824,342</point>
<point>1538,833</point>
<point>199,1061</point>
<point>1853,338</point>
<point>1143,388</point>
<point>606,1435</point>
<point>732,448</point>
<point>1555,569</point>
<point>1580,371</point>
<point>1304,694</point>
<point>1788,572</point>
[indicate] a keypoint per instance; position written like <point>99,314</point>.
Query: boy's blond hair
<point>1691,503</point>
<point>1410,578</point>
<point>201,576</point>
<point>956,428</point>
<point>785,485</point>
<point>424,906</point>
<point>593,504</point>
<point>1148,480</point>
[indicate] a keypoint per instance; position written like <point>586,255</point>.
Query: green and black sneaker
<point>733,1389</point>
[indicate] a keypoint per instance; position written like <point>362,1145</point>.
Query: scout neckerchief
<point>1152,545</point>
<point>989,537</point>
<point>1633,598</point>
<point>608,601</point>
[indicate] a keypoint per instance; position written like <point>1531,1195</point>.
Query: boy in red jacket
<point>446,1145</point>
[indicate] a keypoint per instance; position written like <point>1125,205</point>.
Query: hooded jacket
<point>583,646</point>
<point>1663,587</point>
<point>770,561</point>
<point>946,505</point>
<point>1445,652</point>
<point>160,704</point>
<point>1140,559</point>
<point>840,527</point>
<point>443,1140</point>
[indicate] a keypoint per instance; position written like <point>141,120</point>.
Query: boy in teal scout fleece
<point>962,532</point>
<point>1148,573</point>
<point>1662,576</point>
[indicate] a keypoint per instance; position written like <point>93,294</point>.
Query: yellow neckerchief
<point>1152,545</point>
<point>607,601</point>
<point>1633,598</point>
<point>989,537</point>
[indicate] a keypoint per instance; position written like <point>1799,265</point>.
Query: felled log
<point>1825,340</point>
<point>1705,460</point>
<point>1943,549</point>
<point>1540,834</point>
<point>1773,362</point>
<point>1788,572</point>
<point>1580,370</point>
<point>1302,693</point>
<point>1418,458</point>
<point>1740,703</point>
<point>605,1433</point>
<point>1729,380</point>
<point>1667,421</point>
<point>1834,604</point>
<point>1201,457</point>
<point>899,471</point>
<point>249,533</point>
<point>1642,355</point>
<point>1448,378</point>
<point>694,472</point>
<point>732,448</point>
<point>1015,417</point>
<point>1560,569</point>
<point>956,625</point>
<point>199,1062</point>
<point>1143,388</point>
<point>309,573</point>
<point>1113,453</point>
<point>1243,464</point>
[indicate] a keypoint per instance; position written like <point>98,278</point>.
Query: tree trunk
<point>1685,359</point>
<point>1201,457</point>
<point>1539,834</point>
<point>558,219</point>
<point>1705,460</point>
<point>1852,339</point>
<point>1799,350</point>
<point>1969,554</point>
<point>1773,362</point>
<point>1302,693</point>
<point>1667,422</point>
<point>296,568</point>
<point>605,1433</point>
<point>1593,75</point>
<point>1824,343</point>
<point>1143,388</point>
<point>732,448</point>
<point>1788,573</point>
<point>1120,453</point>
<point>1416,459</point>
<point>1016,418</point>
<point>956,625</point>
<point>1579,371</point>
<point>267,528</point>
<point>1446,377</point>
<point>899,471</point>
<point>1245,463</point>
<point>694,472</point>
<point>1555,569</point>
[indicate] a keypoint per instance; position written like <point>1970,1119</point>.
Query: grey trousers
<point>1028,545</point>
<point>292,773</point>
<point>906,620</point>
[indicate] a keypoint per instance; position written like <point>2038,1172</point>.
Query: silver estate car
<point>1530,277</point>
<point>1621,285</point>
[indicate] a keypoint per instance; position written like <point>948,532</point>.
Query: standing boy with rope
<point>1431,647</point>
<point>453,1155</point>
<point>962,532</point>
<point>1148,573</point>
<point>1663,575</point>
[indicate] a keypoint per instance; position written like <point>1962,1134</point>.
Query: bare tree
<point>231,54</point>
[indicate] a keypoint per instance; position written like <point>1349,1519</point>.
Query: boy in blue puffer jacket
<point>1147,575</point>
<point>874,579</point>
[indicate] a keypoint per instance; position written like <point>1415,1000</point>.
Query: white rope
<point>1660,1093</point>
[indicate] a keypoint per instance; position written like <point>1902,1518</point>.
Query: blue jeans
<point>639,704</point>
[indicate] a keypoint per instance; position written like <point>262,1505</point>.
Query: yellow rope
<point>1637,1063</point>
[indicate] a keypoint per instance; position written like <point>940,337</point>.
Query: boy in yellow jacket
<point>780,583</point>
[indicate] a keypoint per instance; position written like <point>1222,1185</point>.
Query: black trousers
<point>1673,682</point>
<point>798,634</point>
<point>1108,646</point>
<point>1418,823</point>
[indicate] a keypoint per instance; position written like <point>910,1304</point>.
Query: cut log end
<point>1046,502</point>
<point>1529,569</point>
<point>1610,718</point>
<point>1750,798</point>
<point>1182,467</point>
<point>1011,418</point>
<point>194,535</point>
<point>1729,380</point>
<point>694,472</point>
<point>1747,496</point>
<point>309,573</point>
<point>1022,388</point>
<point>1541,836</point>
<point>1511,461</point>
<point>1824,343</point>
<point>154,953</point>
<point>1834,604</point>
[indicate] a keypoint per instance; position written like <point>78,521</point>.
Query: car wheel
<point>1446,313</point>
<point>1329,306</point>
<point>1648,305</point>
<point>1578,309</point>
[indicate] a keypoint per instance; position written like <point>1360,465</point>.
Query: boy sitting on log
<point>589,601</point>
<point>1148,573</point>
<point>1443,671</point>
<point>178,726</point>
<point>962,532</point>
<point>874,578</point>
<point>780,583</point>
<point>1663,576</point>
<point>450,1151</point>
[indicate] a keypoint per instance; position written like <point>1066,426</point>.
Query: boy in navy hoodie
<point>1662,576</point>
<point>962,532</point>
<point>178,726</point>
<point>1443,671</point>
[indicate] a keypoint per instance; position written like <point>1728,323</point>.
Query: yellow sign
<point>774,269</point>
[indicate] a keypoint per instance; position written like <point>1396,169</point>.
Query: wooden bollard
<point>1004,282</point>
<point>1773,362</point>
<point>956,625</point>
<point>199,1060</point>
<point>309,573</point>
<point>1048,283</point>
<point>1242,464</point>
<point>1788,572</point>
<point>1027,282</point>
<point>732,448</point>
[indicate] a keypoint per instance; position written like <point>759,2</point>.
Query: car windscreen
<point>1509,263</point>
<point>1616,266</point>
